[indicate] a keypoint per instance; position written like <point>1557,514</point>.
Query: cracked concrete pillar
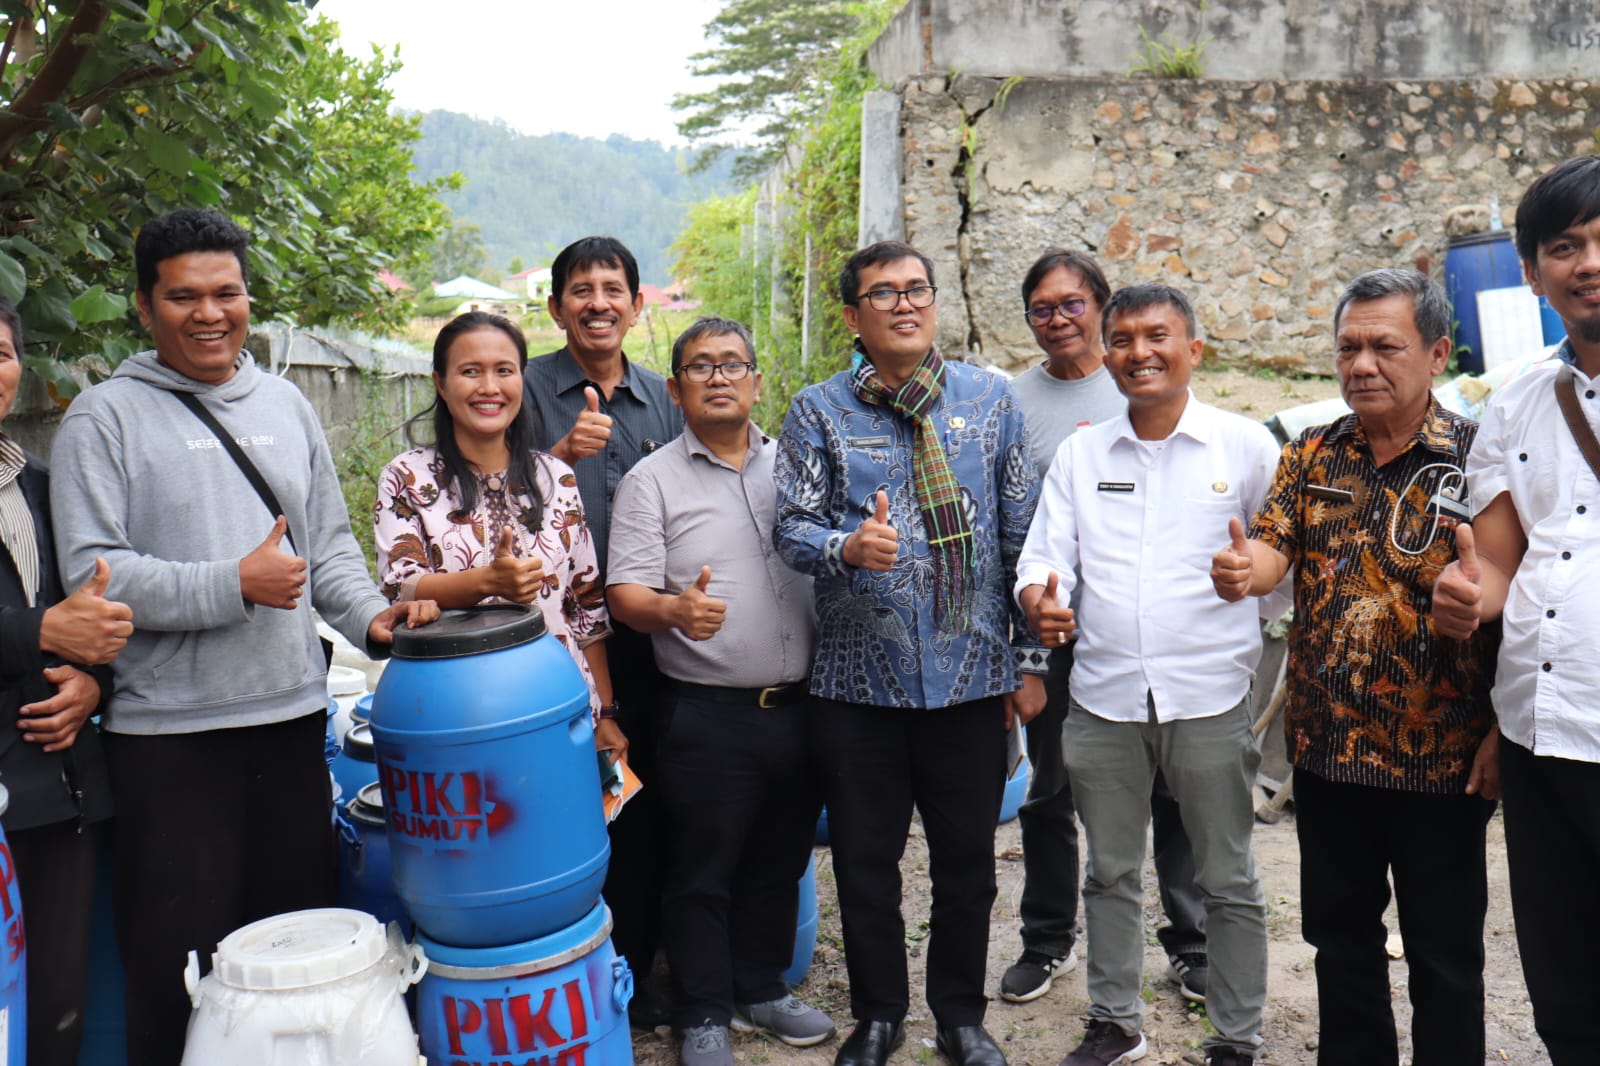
<point>882,217</point>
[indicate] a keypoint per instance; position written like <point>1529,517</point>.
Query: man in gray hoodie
<point>214,733</point>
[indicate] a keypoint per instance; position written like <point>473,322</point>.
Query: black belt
<point>765,698</point>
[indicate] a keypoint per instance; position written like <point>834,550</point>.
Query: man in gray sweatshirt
<point>214,733</point>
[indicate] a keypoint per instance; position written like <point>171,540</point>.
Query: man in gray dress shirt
<point>693,565</point>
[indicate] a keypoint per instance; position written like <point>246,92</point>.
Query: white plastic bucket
<point>346,685</point>
<point>309,988</point>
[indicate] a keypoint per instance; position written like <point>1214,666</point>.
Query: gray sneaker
<point>705,1045</point>
<point>795,1023</point>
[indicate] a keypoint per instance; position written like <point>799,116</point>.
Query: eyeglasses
<point>1043,316</point>
<point>889,299</point>
<point>700,373</point>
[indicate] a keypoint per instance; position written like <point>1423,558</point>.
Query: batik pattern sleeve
<point>583,595</point>
<point>808,499</point>
<point>1017,488</point>
<point>405,551</point>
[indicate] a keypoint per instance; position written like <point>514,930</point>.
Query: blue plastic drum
<point>1016,791</point>
<point>356,765</point>
<point>490,783</point>
<point>365,880</point>
<point>1472,264</point>
<point>805,933</point>
<point>560,999</point>
<point>13,955</point>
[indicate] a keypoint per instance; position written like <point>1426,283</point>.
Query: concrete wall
<point>1261,199</point>
<point>1248,39</point>
<point>346,378</point>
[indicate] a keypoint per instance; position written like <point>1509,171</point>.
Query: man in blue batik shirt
<point>906,492</point>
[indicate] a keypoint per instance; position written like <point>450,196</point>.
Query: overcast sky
<point>589,67</point>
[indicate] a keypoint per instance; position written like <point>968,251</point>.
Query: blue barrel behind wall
<point>1472,264</point>
<point>490,782</point>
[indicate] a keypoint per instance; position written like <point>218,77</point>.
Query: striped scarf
<point>938,491</point>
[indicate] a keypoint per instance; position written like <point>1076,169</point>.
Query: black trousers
<point>55,872</point>
<point>214,830</point>
<point>639,847</point>
<point>876,763</point>
<point>1553,848</point>
<point>1051,881</point>
<point>1352,839</point>
<point>742,810</point>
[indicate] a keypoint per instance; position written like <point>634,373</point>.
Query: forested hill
<point>533,195</point>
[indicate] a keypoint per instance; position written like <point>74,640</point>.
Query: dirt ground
<point>1041,1033</point>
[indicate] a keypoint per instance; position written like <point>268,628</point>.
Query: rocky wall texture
<point>1259,199</point>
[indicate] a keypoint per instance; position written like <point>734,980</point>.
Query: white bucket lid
<point>346,681</point>
<point>299,949</point>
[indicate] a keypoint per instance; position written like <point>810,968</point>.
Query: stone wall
<point>1261,199</point>
<point>1245,39</point>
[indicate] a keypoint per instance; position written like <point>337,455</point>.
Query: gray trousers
<point>1210,766</point>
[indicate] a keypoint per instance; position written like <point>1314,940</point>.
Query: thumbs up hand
<point>1049,617</point>
<point>269,576</point>
<point>1458,593</point>
<point>874,545</point>
<point>1232,568</point>
<point>699,615</point>
<point>86,627</point>
<point>509,577</point>
<point>589,434</point>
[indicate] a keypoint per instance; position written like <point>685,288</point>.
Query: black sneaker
<point>1190,970</point>
<point>1227,1056</point>
<point>1029,977</point>
<point>1106,1045</point>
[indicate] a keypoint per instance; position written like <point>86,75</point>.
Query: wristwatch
<point>608,711</point>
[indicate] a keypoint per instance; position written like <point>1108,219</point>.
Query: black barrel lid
<point>470,632</point>
<point>367,807</point>
<point>1482,237</point>
<point>358,743</point>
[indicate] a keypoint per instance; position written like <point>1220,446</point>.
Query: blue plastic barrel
<point>362,711</point>
<point>490,783</point>
<point>356,765</point>
<point>1472,264</point>
<point>1016,791</point>
<point>559,999</point>
<point>805,933</point>
<point>366,880</point>
<point>822,837</point>
<point>13,954</point>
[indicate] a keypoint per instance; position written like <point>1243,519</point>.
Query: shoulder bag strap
<point>1579,425</point>
<point>251,473</point>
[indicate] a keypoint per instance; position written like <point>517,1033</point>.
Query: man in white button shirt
<point>1532,559</point>
<point>1162,676</point>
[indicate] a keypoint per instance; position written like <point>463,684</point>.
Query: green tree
<point>112,112</point>
<point>768,60</point>
<point>458,250</point>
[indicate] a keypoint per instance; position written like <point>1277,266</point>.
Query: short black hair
<point>710,326</point>
<point>1430,307</point>
<point>1080,263</point>
<point>1567,195</point>
<point>589,252</point>
<point>11,318</point>
<point>877,255</point>
<point>1147,294</point>
<point>188,229</point>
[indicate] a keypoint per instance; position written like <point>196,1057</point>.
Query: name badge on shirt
<point>1116,486</point>
<point>651,445</point>
<point>869,442</point>
<point>1328,492</point>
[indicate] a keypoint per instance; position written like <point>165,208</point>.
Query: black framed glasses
<point>700,373</point>
<point>1042,316</point>
<point>889,299</point>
